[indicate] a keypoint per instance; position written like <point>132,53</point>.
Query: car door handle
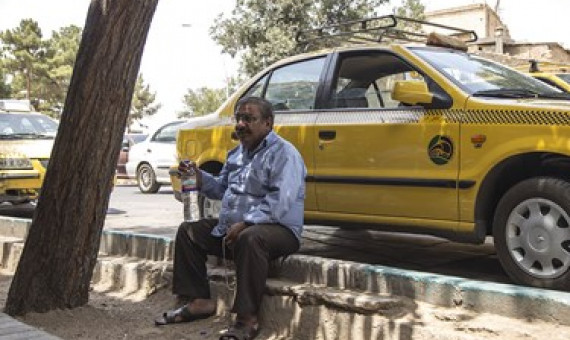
<point>148,150</point>
<point>327,134</point>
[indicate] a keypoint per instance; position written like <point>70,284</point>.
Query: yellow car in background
<point>558,80</point>
<point>26,141</point>
<point>417,138</point>
<point>553,74</point>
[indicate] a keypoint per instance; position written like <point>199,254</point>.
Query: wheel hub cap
<point>539,240</point>
<point>537,232</point>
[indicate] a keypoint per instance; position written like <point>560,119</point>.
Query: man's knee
<point>182,229</point>
<point>250,237</point>
<point>188,230</point>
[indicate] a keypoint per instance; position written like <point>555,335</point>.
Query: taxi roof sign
<point>20,105</point>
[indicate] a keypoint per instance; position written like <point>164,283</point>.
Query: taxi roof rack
<point>547,66</point>
<point>376,29</point>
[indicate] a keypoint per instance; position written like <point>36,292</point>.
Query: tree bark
<point>61,249</point>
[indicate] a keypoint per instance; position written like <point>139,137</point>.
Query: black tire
<point>146,179</point>
<point>531,229</point>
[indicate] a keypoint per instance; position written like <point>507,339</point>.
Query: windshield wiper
<point>26,135</point>
<point>506,93</point>
<point>555,95</point>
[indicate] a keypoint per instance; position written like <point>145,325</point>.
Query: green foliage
<point>202,101</point>
<point>142,104</point>
<point>40,69</point>
<point>411,9</point>
<point>5,89</point>
<point>62,51</point>
<point>24,56</point>
<point>263,32</point>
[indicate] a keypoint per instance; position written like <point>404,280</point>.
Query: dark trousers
<point>255,247</point>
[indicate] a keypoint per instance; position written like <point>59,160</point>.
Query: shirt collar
<point>269,139</point>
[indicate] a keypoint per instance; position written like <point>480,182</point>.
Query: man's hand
<point>184,166</point>
<point>234,231</point>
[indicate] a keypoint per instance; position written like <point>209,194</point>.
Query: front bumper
<point>175,181</point>
<point>19,186</point>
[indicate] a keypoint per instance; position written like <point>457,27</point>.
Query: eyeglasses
<point>248,119</point>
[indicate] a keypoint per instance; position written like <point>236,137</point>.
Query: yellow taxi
<point>553,74</point>
<point>26,140</point>
<point>558,80</point>
<point>418,138</point>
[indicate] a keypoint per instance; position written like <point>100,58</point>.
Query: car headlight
<point>15,163</point>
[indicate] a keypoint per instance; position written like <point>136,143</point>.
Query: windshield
<point>564,76</point>
<point>481,77</point>
<point>26,126</point>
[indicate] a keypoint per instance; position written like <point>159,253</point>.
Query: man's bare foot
<point>250,321</point>
<point>202,306</point>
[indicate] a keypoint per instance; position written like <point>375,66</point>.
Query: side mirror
<point>412,92</point>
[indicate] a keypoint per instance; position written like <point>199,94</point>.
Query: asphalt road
<point>160,213</point>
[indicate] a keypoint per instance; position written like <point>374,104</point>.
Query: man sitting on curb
<point>262,188</point>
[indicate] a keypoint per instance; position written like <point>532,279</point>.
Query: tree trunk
<point>61,249</point>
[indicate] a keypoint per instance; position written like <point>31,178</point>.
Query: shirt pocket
<point>256,183</point>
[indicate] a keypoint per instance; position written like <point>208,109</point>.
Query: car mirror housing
<point>412,92</point>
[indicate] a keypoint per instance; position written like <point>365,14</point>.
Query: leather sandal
<point>180,315</point>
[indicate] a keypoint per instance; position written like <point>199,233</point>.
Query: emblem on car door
<point>440,149</point>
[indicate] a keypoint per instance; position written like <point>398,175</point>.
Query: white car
<point>150,160</point>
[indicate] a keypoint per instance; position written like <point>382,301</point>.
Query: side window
<point>294,86</point>
<point>256,90</point>
<point>166,134</point>
<point>366,80</point>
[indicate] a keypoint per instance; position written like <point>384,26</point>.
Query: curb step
<point>129,275</point>
<point>143,246</point>
<point>312,287</point>
<point>11,250</point>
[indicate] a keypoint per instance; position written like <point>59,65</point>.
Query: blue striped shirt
<point>264,186</point>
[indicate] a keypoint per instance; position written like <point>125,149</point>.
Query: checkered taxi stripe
<point>500,117</point>
<point>414,116</point>
<point>411,116</point>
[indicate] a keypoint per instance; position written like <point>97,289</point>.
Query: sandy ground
<point>117,317</point>
<point>130,317</point>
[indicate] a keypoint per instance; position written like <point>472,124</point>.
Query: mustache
<point>241,130</point>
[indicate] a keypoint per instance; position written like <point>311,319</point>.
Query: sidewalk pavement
<point>320,264</point>
<point>11,329</point>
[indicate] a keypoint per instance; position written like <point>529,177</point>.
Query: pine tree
<point>142,104</point>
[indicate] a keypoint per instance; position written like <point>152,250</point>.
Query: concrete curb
<point>447,291</point>
<point>359,279</point>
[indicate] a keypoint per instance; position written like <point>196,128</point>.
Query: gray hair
<point>265,107</point>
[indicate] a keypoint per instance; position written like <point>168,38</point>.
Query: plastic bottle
<point>189,192</point>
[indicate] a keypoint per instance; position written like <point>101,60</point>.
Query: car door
<point>161,150</point>
<point>293,90</point>
<point>374,156</point>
